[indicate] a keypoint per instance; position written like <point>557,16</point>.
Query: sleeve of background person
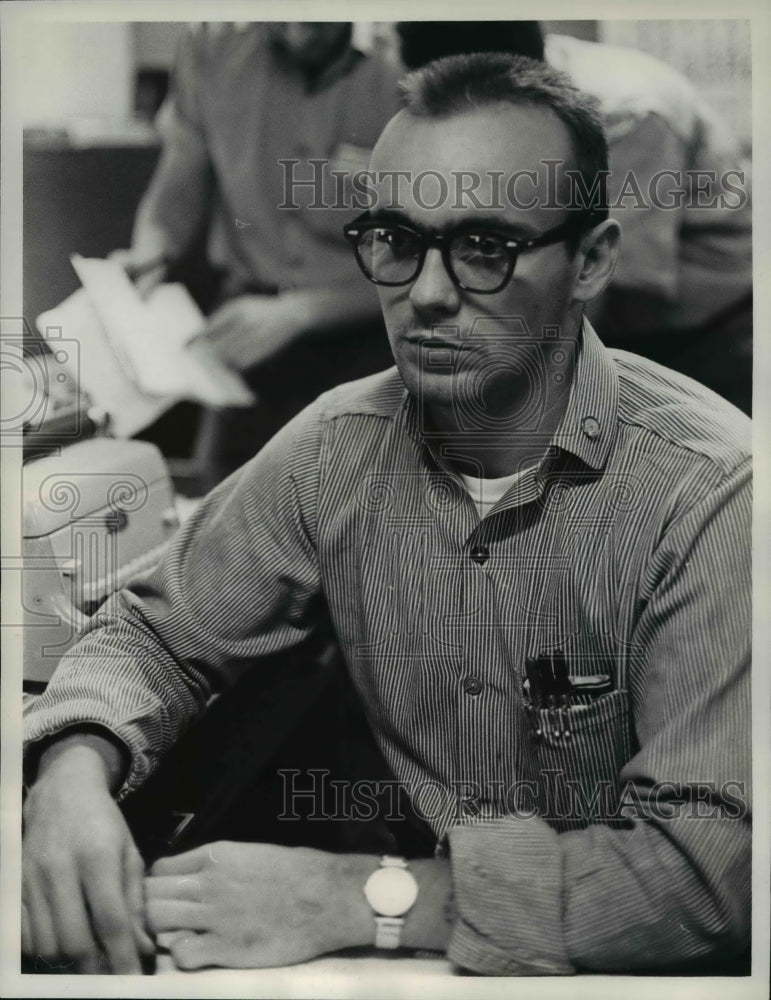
<point>247,585</point>
<point>176,204</point>
<point>646,279</point>
<point>662,890</point>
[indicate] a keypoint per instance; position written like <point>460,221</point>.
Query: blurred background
<point>90,143</point>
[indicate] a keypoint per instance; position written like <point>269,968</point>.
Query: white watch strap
<point>392,861</point>
<point>388,931</point>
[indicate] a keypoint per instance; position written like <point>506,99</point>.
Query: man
<point>535,556</point>
<point>682,291</point>
<point>259,119</point>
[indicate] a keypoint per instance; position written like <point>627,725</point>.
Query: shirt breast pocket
<point>574,756</point>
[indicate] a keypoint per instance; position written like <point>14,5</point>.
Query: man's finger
<point>181,887</point>
<point>111,917</point>
<point>175,915</point>
<point>194,951</point>
<point>185,864</point>
<point>42,936</point>
<point>76,940</point>
<point>133,886</point>
<point>167,938</point>
<point>26,930</point>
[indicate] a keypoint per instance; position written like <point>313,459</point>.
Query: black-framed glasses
<point>478,259</point>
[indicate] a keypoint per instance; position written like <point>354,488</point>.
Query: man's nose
<point>434,292</point>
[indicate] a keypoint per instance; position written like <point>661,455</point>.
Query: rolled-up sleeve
<point>238,581</point>
<point>669,881</point>
<point>178,199</point>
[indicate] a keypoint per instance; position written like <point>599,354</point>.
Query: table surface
<point>366,963</point>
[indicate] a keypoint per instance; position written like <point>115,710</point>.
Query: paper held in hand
<point>134,359</point>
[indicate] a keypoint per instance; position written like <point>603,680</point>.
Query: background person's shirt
<point>627,549</point>
<point>697,260</point>
<point>236,108</point>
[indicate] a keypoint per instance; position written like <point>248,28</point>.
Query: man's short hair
<point>462,83</point>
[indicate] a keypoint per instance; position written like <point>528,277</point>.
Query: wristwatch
<point>391,891</point>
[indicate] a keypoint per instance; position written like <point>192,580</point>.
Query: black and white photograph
<point>379,574</point>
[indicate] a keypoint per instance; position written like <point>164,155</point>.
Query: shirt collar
<point>587,428</point>
<point>588,425</point>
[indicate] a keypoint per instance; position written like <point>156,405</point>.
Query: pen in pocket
<point>551,693</point>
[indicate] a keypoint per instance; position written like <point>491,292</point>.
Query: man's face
<point>311,44</point>
<point>490,362</point>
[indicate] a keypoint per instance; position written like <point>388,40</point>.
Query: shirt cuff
<point>507,877</point>
<point>46,723</point>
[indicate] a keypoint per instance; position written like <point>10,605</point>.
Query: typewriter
<point>94,513</point>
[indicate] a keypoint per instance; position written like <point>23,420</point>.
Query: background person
<point>290,309</point>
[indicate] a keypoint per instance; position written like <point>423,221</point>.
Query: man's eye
<point>481,245</point>
<point>399,241</point>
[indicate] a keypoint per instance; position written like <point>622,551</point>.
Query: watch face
<point>391,891</point>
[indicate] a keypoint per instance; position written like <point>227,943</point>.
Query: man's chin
<point>439,387</point>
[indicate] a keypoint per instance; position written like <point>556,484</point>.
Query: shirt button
<point>591,427</point>
<point>472,685</point>
<point>480,554</point>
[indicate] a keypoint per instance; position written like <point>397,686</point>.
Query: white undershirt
<point>487,492</point>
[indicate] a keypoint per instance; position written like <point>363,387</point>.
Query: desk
<point>367,974</point>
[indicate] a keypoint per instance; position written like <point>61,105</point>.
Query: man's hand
<point>256,905</point>
<point>147,271</point>
<point>251,329</point>
<point>82,890</point>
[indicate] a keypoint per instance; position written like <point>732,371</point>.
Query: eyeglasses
<point>477,259</point>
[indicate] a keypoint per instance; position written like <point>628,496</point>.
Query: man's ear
<point>597,255</point>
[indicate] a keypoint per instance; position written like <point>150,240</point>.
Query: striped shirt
<point>624,553</point>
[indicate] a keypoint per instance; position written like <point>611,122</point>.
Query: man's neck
<point>512,448</point>
<point>493,456</point>
<point>317,77</point>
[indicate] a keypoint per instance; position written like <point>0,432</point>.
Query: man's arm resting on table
<point>238,905</point>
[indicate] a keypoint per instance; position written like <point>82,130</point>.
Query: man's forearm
<point>176,204</point>
<point>532,901</point>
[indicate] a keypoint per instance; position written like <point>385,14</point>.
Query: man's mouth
<point>428,341</point>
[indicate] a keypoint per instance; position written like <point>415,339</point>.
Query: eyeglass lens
<point>392,255</point>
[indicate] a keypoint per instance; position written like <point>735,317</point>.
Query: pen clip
<point>533,692</point>
<point>562,689</point>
